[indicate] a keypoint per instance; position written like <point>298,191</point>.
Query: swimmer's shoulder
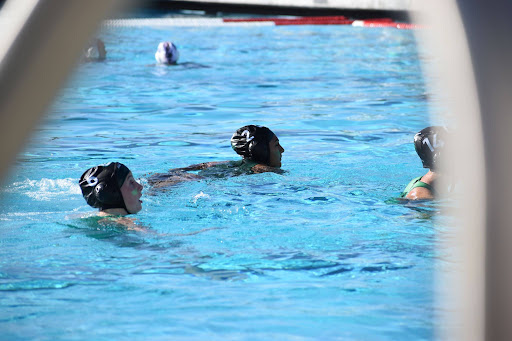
<point>420,193</point>
<point>100,220</point>
<point>259,168</point>
<point>256,168</point>
<point>121,221</point>
<point>94,218</point>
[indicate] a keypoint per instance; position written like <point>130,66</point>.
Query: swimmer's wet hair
<point>429,144</point>
<point>101,185</point>
<point>251,142</point>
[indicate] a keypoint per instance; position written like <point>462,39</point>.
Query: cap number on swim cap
<point>247,134</point>
<point>90,178</point>
<point>436,145</point>
<point>92,181</point>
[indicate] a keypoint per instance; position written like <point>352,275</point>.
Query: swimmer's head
<point>95,51</point>
<point>101,185</point>
<point>167,53</point>
<point>429,144</point>
<point>252,143</point>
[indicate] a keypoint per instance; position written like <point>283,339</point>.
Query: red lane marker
<point>327,20</point>
<point>408,26</point>
<point>384,23</point>
<point>313,22</point>
<point>337,17</point>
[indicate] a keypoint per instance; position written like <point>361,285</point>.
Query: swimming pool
<point>318,253</point>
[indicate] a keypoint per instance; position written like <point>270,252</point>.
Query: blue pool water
<point>317,253</point>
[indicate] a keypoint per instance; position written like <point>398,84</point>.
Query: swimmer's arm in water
<point>172,178</point>
<point>199,166</point>
<point>420,193</point>
<point>259,168</point>
<point>177,175</point>
<point>194,232</point>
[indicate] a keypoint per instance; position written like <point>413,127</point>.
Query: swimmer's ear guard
<point>429,144</point>
<point>251,142</point>
<point>101,185</point>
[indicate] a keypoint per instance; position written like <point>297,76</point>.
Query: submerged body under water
<point>321,251</point>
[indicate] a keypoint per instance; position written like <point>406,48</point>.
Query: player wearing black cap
<point>429,144</point>
<point>258,146</point>
<point>112,189</point>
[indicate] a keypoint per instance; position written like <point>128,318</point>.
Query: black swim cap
<point>101,185</point>
<point>429,144</point>
<point>251,142</point>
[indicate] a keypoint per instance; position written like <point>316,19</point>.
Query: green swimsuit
<point>413,184</point>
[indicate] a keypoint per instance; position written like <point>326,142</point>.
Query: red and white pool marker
<point>327,20</point>
<point>385,22</point>
<point>195,22</point>
<point>330,20</point>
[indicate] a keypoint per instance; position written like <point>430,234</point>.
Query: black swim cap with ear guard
<point>251,142</point>
<point>429,144</point>
<point>101,185</point>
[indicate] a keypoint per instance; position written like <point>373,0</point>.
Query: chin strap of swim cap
<point>429,144</point>
<point>101,185</point>
<point>251,142</point>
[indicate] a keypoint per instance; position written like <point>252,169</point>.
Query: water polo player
<point>429,144</point>
<point>167,53</point>
<point>95,51</point>
<point>112,189</point>
<point>258,146</point>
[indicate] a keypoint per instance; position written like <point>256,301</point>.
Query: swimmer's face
<point>275,152</point>
<point>131,192</point>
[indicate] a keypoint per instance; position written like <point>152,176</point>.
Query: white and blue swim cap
<point>167,53</point>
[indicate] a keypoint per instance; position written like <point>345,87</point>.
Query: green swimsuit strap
<point>416,183</point>
<point>423,184</point>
